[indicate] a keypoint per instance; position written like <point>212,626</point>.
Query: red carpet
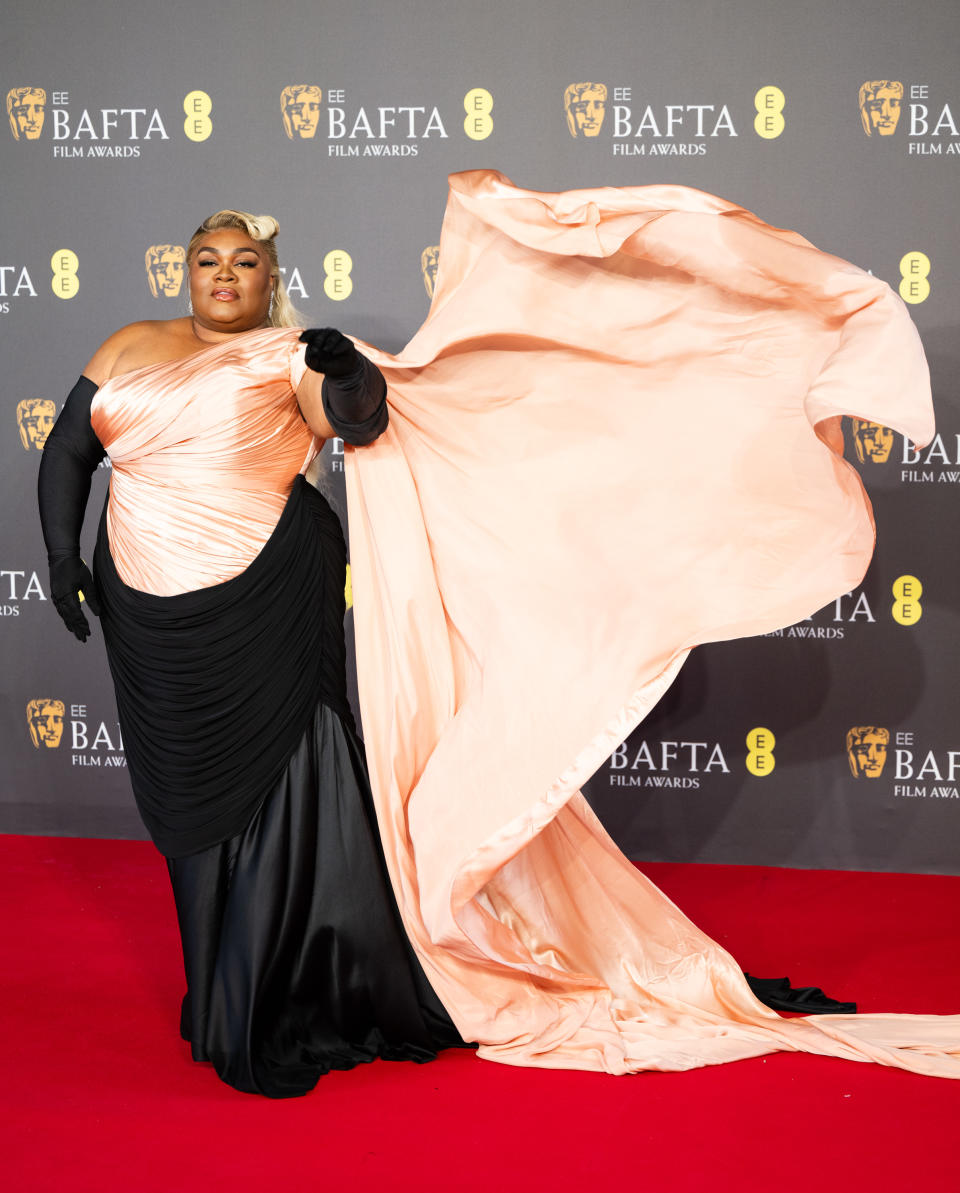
<point>99,1095</point>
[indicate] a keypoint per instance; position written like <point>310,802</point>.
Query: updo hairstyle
<point>263,229</point>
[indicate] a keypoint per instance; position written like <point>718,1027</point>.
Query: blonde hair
<point>263,229</point>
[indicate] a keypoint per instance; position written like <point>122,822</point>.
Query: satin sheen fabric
<point>205,451</point>
<point>616,436</point>
<point>231,687</point>
<point>296,960</point>
<point>216,687</point>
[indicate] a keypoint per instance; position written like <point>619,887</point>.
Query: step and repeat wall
<point>831,743</point>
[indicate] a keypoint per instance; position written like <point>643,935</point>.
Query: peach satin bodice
<point>204,450</point>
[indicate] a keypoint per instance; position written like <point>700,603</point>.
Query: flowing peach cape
<point>616,436</point>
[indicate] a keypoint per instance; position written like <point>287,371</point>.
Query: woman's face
<point>230,282</point>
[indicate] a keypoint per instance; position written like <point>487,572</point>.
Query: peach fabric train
<point>616,436</point>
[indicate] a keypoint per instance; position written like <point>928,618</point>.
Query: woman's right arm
<point>70,456</point>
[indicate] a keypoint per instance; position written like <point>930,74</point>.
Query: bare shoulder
<point>135,345</point>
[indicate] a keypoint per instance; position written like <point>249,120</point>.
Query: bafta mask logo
<point>880,106</point>
<point>25,108</point>
<point>867,750</point>
<point>165,264</point>
<point>429,261</point>
<point>871,441</point>
<point>35,418</point>
<point>45,722</point>
<point>585,105</point>
<point>301,110</point>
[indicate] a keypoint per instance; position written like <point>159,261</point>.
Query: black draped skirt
<point>295,958</point>
<point>249,775</point>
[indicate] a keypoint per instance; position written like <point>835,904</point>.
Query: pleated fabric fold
<point>615,437</point>
<point>295,956</point>
<point>215,687</point>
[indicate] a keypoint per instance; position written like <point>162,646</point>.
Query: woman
<point>220,579</point>
<point>512,627</point>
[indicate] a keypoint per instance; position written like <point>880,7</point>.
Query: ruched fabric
<point>295,957</point>
<point>216,687</point>
<point>616,436</point>
<point>204,452</point>
<point>221,573</point>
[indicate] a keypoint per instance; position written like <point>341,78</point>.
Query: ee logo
<point>197,125</point>
<point>760,759</point>
<point>914,268</point>
<point>478,123</point>
<point>768,122</point>
<point>907,591</point>
<point>64,282</point>
<point>337,283</point>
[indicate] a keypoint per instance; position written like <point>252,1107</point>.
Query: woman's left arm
<point>341,393</point>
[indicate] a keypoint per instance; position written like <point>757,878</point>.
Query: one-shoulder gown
<point>221,575</point>
<point>616,436</point>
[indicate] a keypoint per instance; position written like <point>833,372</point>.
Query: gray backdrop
<point>831,744</point>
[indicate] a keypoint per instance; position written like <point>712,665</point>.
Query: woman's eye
<point>203,262</point>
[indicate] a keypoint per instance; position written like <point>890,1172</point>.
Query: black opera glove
<point>69,576</point>
<point>329,352</point>
<point>70,456</point>
<point>354,392</point>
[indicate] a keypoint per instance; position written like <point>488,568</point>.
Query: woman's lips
<point>225,295</point>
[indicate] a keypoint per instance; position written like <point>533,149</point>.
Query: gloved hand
<point>69,576</point>
<point>329,352</point>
